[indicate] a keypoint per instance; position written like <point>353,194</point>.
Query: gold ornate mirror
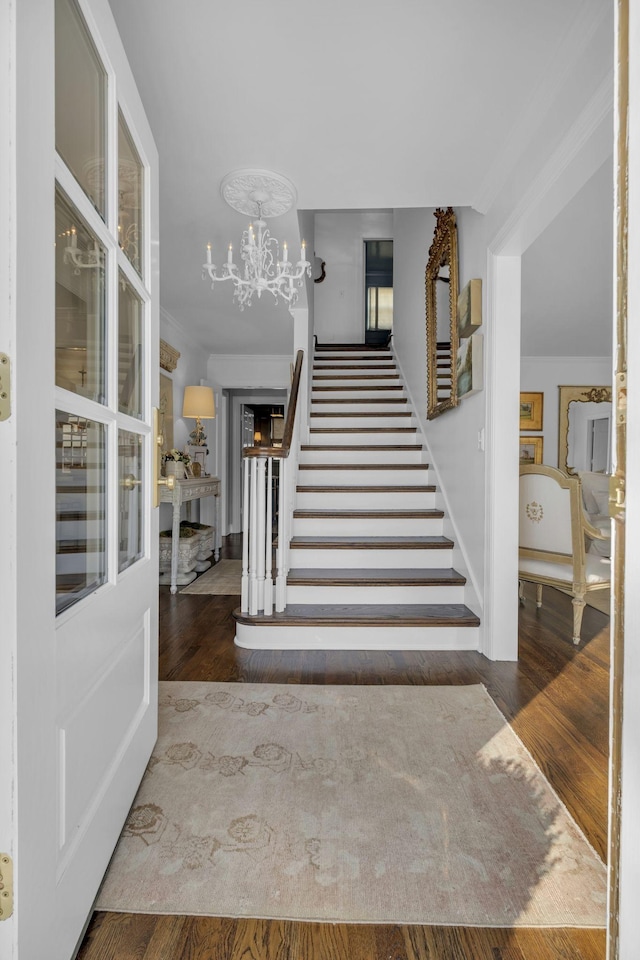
<point>584,430</point>
<point>441,281</point>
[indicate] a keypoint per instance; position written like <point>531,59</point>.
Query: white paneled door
<point>79,329</point>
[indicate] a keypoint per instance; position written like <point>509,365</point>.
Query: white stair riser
<point>365,500</point>
<point>374,594</point>
<point>365,478</point>
<point>352,439</point>
<point>354,356</point>
<point>348,383</point>
<point>367,527</point>
<point>333,559</point>
<point>354,396</point>
<point>355,407</point>
<point>380,420</point>
<point>391,637</point>
<point>352,455</point>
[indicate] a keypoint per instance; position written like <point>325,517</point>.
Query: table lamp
<point>199,404</point>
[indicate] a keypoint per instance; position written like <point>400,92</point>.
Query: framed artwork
<point>470,308</point>
<point>166,411</point>
<point>469,366</point>
<point>530,450</point>
<point>531,411</point>
<point>198,456</point>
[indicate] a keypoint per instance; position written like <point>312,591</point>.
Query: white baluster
<point>268,546</point>
<point>281,578</point>
<point>253,541</point>
<point>244,589</point>
<point>260,532</point>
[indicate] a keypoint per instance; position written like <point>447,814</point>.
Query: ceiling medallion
<point>260,194</point>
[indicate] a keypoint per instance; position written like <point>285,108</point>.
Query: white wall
<point>339,299</point>
<point>546,374</point>
<point>452,438</point>
<point>246,371</point>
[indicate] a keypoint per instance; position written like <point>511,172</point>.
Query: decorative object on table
<point>198,404</point>
<point>169,356</point>
<point>371,804</point>
<point>198,458</point>
<point>470,309</point>
<point>205,533</point>
<point>261,194</point>
<point>530,450</point>
<point>470,366</point>
<point>531,411</point>
<point>176,463</point>
<point>165,408</point>
<point>584,429</point>
<point>188,548</point>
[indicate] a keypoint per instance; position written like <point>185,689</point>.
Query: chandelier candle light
<point>267,194</point>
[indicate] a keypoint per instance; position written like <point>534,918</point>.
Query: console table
<point>185,491</point>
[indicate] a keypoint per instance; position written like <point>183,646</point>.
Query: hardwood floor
<point>556,698</point>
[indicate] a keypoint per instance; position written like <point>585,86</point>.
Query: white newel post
<point>259,558</point>
<point>281,576</point>
<point>253,539</point>
<point>244,599</point>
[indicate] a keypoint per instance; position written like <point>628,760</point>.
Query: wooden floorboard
<point>556,698</point>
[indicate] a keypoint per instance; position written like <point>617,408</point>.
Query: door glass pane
<point>130,517</point>
<point>130,350</point>
<point>380,308</point>
<point>81,560</point>
<point>80,305</point>
<point>130,174</point>
<point>81,89</point>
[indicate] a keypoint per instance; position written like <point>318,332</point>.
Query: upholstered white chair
<point>553,527</point>
<point>595,499</point>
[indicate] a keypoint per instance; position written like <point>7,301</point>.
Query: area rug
<point>351,804</point>
<point>222,578</point>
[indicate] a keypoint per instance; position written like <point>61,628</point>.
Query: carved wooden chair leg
<point>578,609</point>
<point>538,595</point>
<point>521,592</point>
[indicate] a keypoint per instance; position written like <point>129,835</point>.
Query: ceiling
<point>362,106</point>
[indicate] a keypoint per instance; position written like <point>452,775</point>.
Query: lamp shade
<point>199,402</point>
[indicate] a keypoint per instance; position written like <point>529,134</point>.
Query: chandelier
<point>264,268</point>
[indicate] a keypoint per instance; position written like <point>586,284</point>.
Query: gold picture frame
<point>531,411</point>
<point>530,450</point>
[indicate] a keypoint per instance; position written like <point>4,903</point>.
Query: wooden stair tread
<point>370,514</point>
<point>363,488</point>
<point>356,366</point>
<point>364,430</point>
<point>365,577</point>
<point>351,376</point>
<point>358,400</point>
<point>354,347</point>
<point>367,615</point>
<point>363,466</point>
<point>371,543</point>
<point>360,447</point>
<point>356,386</point>
<point>356,414</point>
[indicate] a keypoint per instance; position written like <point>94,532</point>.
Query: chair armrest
<point>592,531</point>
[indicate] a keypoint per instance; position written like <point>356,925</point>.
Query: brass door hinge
<point>6,886</point>
<point>5,387</point>
<point>616,497</point>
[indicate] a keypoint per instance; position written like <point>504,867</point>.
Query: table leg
<point>175,546</point>
<point>216,533</point>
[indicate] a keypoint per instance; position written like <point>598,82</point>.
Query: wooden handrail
<point>283,451</point>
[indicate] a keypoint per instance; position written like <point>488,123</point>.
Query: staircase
<point>369,565</point>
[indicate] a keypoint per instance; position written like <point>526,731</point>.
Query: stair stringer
<point>473,596</point>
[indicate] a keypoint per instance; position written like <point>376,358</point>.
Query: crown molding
<point>182,330</point>
<point>583,28</point>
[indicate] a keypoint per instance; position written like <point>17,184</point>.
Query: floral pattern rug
<point>373,804</point>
